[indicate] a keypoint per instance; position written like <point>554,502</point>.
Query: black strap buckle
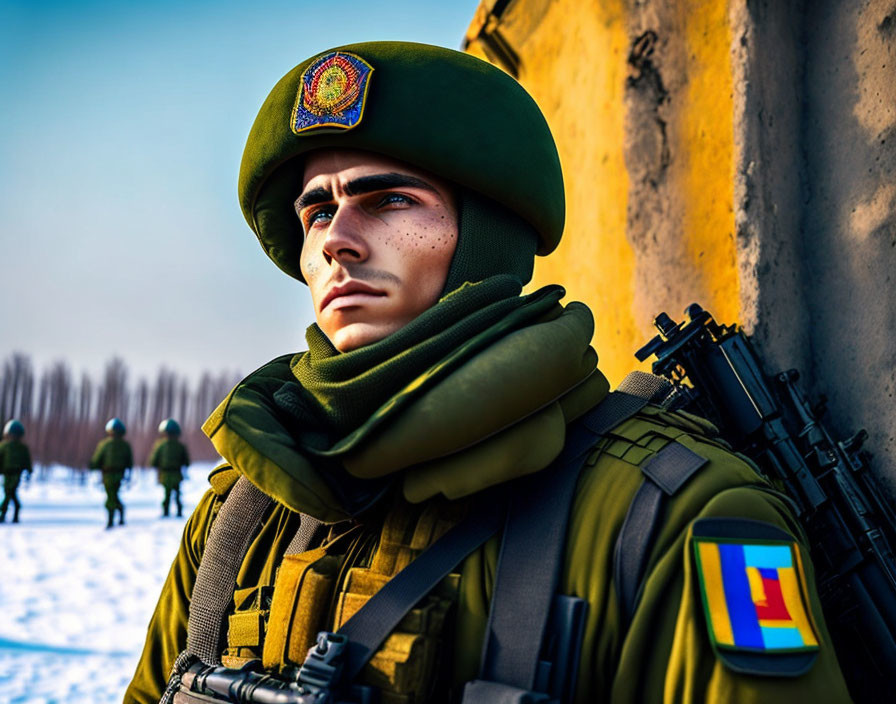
<point>322,668</point>
<point>321,674</point>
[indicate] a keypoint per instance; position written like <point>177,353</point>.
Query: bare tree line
<point>65,416</point>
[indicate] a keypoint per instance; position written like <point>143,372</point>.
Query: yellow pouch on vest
<point>405,667</point>
<point>245,632</point>
<point>246,629</point>
<point>302,593</point>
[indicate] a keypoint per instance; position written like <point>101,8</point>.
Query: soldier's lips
<point>353,293</point>
<point>352,299</point>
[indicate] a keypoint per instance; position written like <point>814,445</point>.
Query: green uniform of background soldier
<point>114,458</point>
<point>15,458</point>
<point>169,456</point>
<point>430,378</point>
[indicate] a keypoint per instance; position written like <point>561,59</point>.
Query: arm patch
<point>753,589</point>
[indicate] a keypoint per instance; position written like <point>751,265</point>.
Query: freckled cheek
<point>429,236</point>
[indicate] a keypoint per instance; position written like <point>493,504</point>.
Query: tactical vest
<point>319,589</point>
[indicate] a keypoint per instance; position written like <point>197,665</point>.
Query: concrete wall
<point>849,216</point>
<point>740,154</point>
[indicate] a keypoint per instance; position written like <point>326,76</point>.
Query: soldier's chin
<point>356,335</point>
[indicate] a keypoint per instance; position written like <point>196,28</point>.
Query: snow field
<point>75,599</point>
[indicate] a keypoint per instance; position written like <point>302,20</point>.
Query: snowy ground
<point>75,599</point>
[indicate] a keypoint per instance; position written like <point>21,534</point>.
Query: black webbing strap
<point>532,550</point>
<point>372,624</point>
<point>664,474</point>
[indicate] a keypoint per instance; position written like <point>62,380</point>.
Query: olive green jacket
<point>112,454</point>
<point>14,456</point>
<point>169,454</point>
<point>665,655</point>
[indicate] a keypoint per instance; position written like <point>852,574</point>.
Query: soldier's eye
<point>319,216</point>
<point>395,199</point>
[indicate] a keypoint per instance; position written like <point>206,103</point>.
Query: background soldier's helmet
<point>115,427</point>
<point>169,426</point>
<point>14,428</point>
<point>444,111</point>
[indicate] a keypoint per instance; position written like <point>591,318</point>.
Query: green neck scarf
<point>343,390</point>
<point>473,392</point>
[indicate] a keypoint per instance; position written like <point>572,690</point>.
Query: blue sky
<point>121,131</point>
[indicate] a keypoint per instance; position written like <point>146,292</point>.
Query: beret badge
<point>332,93</point>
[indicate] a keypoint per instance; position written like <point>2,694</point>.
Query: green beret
<point>444,111</point>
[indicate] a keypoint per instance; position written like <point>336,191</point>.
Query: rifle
<point>321,679</point>
<point>317,681</point>
<point>716,373</point>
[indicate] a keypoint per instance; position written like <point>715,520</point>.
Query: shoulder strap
<point>532,555</point>
<point>656,389</point>
<point>664,474</point>
<point>369,627</point>
<point>301,541</point>
<point>232,531</point>
<point>510,652</point>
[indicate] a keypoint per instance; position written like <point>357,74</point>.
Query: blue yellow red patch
<point>753,595</point>
<point>753,589</point>
<point>332,93</point>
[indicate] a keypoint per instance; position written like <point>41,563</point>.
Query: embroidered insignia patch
<point>753,595</point>
<point>332,93</point>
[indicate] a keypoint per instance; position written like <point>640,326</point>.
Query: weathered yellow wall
<point>574,60</point>
<point>706,169</point>
<point>738,154</point>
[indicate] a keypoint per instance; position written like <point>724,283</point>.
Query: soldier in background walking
<point>14,459</point>
<point>169,456</point>
<point>114,458</point>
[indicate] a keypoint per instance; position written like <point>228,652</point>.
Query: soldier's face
<point>379,239</point>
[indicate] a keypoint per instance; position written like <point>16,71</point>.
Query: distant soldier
<point>169,455</point>
<point>113,456</point>
<point>14,459</point>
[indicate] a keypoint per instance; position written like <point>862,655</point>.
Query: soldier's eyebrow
<point>313,197</point>
<point>361,185</point>
<point>383,182</point>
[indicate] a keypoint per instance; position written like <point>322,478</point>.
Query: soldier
<point>15,458</point>
<point>411,187</point>
<point>169,456</point>
<point>114,458</point>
